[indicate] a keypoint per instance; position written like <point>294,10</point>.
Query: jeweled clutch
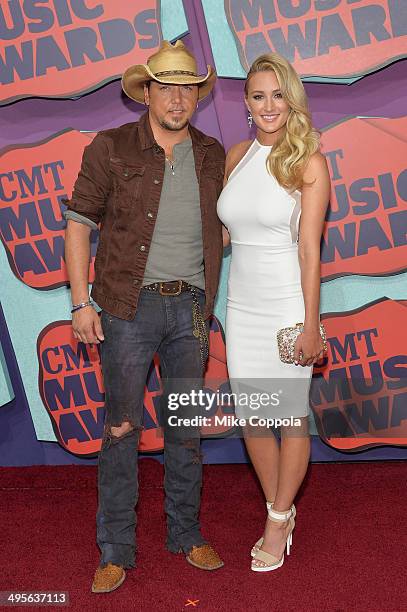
<point>287,337</point>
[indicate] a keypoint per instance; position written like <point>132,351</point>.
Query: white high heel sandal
<point>259,542</point>
<point>271,562</point>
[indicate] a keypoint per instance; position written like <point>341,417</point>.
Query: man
<point>152,186</point>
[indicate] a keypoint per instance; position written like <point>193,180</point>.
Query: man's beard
<point>175,125</point>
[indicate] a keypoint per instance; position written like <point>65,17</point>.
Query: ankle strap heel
<point>283,517</point>
<point>259,543</point>
<point>280,517</point>
<point>270,562</point>
<point>269,506</point>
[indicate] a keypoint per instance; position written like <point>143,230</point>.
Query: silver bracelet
<point>76,307</point>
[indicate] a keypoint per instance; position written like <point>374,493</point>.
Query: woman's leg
<point>264,454</point>
<point>294,459</point>
<point>293,463</point>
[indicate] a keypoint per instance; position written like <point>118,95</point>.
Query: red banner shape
<point>359,395</point>
<point>71,388</point>
<point>338,39</point>
<point>366,229</point>
<point>72,391</point>
<point>68,48</point>
<point>34,180</point>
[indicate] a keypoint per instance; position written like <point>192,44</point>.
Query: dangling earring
<point>250,120</point>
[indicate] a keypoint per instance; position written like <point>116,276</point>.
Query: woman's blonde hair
<point>290,154</point>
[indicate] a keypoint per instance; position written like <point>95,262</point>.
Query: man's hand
<point>86,326</point>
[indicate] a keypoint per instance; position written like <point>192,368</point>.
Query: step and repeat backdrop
<point>60,65</point>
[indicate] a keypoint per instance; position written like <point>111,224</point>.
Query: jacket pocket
<point>127,181</point>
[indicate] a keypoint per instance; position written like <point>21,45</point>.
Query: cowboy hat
<point>172,65</point>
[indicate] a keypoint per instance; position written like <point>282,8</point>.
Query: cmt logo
<point>65,48</point>
<point>71,388</point>
<point>359,394</point>
<point>328,38</point>
<point>366,224</point>
<point>33,182</point>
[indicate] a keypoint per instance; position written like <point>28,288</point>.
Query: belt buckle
<point>177,292</point>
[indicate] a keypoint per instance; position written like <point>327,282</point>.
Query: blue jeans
<point>162,325</point>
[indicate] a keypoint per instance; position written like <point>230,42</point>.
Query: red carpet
<point>349,549</point>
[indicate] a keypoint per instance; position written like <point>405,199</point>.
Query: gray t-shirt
<point>176,250</point>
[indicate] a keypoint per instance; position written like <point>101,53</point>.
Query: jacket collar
<point>147,138</point>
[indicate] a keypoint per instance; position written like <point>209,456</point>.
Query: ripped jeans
<point>162,324</point>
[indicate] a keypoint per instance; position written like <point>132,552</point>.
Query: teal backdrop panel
<point>173,20</point>
<point>27,311</point>
<point>222,40</point>
<point>6,389</point>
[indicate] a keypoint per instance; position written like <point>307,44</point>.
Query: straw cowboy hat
<point>172,65</point>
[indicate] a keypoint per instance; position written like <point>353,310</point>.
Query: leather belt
<point>169,288</point>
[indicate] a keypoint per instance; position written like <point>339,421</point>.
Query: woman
<point>274,278</point>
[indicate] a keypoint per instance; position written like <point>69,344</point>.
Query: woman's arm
<point>314,203</point>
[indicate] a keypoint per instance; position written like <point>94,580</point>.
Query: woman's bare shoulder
<point>316,167</point>
<point>235,154</point>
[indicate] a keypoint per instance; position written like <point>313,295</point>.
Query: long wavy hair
<point>291,153</point>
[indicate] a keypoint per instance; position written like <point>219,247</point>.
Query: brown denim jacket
<point>119,186</point>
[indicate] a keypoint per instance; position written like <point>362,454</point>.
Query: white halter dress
<point>264,285</point>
